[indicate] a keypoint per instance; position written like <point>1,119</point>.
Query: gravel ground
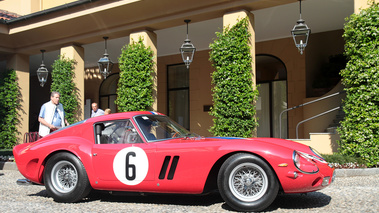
<point>346,194</point>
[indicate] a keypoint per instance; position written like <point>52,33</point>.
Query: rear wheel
<point>247,183</point>
<point>65,178</point>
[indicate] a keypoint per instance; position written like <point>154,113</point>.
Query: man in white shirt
<point>51,116</point>
<point>96,111</point>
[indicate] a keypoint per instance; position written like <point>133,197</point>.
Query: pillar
<point>77,53</point>
<point>149,40</point>
<point>20,63</point>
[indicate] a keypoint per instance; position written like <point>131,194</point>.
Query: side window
<point>117,132</point>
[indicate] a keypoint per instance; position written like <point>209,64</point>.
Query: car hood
<point>275,141</point>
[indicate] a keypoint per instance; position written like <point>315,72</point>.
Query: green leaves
<point>360,129</point>
<point>62,81</point>
<point>135,87</point>
<point>233,92</point>
<point>9,104</point>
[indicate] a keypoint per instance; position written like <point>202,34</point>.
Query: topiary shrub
<point>135,87</point>
<point>359,130</point>
<point>9,105</point>
<point>62,77</point>
<point>233,93</point>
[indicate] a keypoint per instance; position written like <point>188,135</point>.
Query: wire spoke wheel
<point>248,182</point>
<point>64,176</point>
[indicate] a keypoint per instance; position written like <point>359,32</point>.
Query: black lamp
<point>300,34</point>
<point>42,72</point>
<point>187,50</point>
<point>105,64</point>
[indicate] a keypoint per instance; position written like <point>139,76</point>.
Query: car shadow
<point>300,201</point>
<point>151,198</point>
<point>286,201</point>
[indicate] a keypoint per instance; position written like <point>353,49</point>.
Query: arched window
<point>271,76</point>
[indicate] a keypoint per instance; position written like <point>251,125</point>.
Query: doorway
<point>178,94</point>
<point>108,92</point>
<point>271,76</point>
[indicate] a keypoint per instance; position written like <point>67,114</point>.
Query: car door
<point>120,158</point>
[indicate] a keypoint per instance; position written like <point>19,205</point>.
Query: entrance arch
<point>108,92</point>
<point>271,77</point>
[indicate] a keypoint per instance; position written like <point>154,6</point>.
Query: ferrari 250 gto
<point>148,152</point>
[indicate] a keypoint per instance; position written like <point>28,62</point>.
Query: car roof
<point>122,115</point>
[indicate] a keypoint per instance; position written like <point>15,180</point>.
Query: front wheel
<point>65,178</point>
<point>247,183</point>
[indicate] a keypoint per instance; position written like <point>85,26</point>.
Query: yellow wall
<point>20,7</point>
<point>362,4</point>
<point>46,4</point>
<point>324,143</point>
<point>25,7</point>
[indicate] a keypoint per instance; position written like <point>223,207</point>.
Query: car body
<point>148,152</point>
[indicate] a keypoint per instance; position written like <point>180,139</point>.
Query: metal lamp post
<point>300,34</point>
<point>187,50</point>
<point>105,64</point>
<point>42,72</point>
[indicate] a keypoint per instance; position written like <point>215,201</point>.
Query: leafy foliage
<point>62,82</point>
<point>135,87</point>
<point>9,105</point>
<point>233,91</point>
<point>360,128</point>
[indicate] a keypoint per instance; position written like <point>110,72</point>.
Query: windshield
<point>159,127</point>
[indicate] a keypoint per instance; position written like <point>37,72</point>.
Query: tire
<point>247,183</point>
<point>65,178</point>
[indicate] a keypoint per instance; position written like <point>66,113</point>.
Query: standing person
<point>96,111</point>
<point>51,116</point>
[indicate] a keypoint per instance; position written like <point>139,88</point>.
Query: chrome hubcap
<point>64,176</point>
<point>248,182</point>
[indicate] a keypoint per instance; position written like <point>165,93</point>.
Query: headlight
<point>320,158</point>
<point>305,162</point>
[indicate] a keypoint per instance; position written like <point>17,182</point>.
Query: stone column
<point>150,40</point>
<point>77,53</point>
<point>20,63</point>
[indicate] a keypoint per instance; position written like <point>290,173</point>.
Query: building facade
<point>76,29</point>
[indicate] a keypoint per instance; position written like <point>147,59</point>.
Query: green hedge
<point>233,93</point>
<point>9,104</point>
<point>135,87</point>
<point>360,129</point>
<point>62,77</point>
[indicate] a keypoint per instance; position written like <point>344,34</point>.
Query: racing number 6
<point>130,169</point>
<point>130,165</point>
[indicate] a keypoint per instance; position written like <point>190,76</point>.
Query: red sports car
<point>148,152</point>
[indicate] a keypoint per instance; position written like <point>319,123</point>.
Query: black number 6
<point>130,169</point>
